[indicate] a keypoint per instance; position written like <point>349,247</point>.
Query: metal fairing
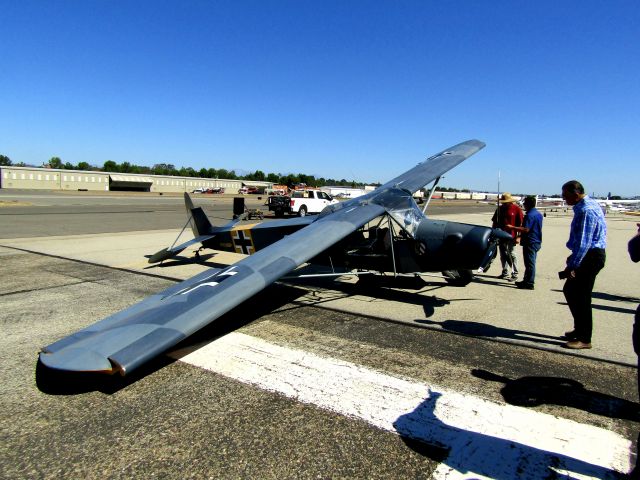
<point>125,340</point>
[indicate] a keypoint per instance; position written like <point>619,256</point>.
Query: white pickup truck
<point>309,201</point>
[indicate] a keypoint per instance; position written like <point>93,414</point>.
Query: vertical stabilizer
<point>200,224</point>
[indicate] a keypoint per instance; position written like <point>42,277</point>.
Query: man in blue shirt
<point>531,242</point>
<point>587,242</point>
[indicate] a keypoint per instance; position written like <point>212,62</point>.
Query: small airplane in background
<point>619,205</point>
<point>381,231</point>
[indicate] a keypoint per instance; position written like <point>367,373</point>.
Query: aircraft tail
<point>200,224</point>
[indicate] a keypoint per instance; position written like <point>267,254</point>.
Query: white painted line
<point>486,439</point>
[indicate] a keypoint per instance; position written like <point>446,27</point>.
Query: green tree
<point>163,169</point>
<point>186,172</point>
<point>55,162</point>
<point>68,166</point>
<point>83,166</point>
<point>110,166</point>
<point>5,161</point>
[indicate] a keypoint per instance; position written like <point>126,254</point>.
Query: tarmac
<point>488,341</point>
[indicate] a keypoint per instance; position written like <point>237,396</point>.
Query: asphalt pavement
<point>319,379</point>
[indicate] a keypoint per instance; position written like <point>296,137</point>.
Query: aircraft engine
<point>442,245</point>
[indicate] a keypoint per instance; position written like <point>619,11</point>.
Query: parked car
<point>246,190</point>
<point>301,202</point>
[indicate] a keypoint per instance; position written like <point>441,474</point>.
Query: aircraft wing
<point>124,341</point>
<point>434,166</point>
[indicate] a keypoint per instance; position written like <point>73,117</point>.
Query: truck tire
<point>458,278</point>
<point>303,211</point>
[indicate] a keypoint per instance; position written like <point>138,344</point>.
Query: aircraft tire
<point>458,278</point>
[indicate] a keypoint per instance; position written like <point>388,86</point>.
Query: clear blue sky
<point>343,89</point>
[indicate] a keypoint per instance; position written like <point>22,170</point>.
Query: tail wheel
<point>458,278</point>
<point>303,211</point>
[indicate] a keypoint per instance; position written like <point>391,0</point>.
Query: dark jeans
<point>529,254</point>
<point>578,290</point>
<point>636,342</point>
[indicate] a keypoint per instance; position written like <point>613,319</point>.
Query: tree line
<point>171,170</point>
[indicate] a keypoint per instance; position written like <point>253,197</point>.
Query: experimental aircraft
<point>403,240</point>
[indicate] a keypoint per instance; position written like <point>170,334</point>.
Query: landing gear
<point>458,278</point>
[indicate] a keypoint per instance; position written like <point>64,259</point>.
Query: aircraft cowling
<point>443,245</point>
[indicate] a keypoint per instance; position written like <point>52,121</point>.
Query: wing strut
<point>393,255</point>
<point>181,232</point>
<point>431,192</point>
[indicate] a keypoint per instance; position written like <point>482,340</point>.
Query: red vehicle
<point>245,190</point>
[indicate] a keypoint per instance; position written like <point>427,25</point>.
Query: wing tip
<point>77,360</point>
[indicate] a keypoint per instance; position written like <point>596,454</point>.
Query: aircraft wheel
<point>458,278</point>
<point>303,211</point>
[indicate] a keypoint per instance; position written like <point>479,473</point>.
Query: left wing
<point>126,340</point>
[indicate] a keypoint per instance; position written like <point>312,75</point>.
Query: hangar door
<point>130,183</point>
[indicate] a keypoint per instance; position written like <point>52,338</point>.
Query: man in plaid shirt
<point>587,242</point>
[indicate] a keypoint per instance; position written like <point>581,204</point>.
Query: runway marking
<point>485,439</point>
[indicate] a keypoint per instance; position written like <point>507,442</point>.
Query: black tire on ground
<point>458,278</point>
<point>303,211</point>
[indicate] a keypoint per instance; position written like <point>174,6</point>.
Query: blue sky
<point>342,89</point>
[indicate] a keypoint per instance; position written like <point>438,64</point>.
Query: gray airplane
<point>344,235</point>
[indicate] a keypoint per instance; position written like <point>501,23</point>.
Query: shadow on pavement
<point>475,454</point>
<point>478,329</point>
<point>534,391</point>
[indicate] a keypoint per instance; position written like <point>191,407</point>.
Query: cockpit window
<point>402,209</point>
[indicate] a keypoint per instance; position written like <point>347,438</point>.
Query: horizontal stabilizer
<point>167,253</point>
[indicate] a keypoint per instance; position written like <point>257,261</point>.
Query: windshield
<point>401,207</point>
